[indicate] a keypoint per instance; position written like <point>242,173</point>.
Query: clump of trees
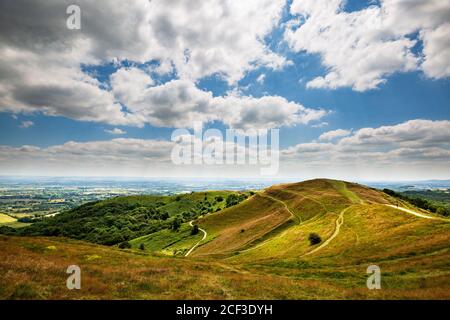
<point>314,238</point>
<point>233,199</point>
<point>118,220</point>
<point>419,202</point>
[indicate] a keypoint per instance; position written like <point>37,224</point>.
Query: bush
<point>314,238</point>
<point>219,198</point>
<point>234,199</point>
<point>124,245</point>
<point>142,246</point>
<point>194,230</point>
<point>176,223</point>
<point>443,211</point>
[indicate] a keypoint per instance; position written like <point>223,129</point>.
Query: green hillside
<point>307,240</point>
<point>121,219</point>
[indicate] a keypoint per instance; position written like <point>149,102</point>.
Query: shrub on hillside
<point>194,230</point>
<point>314,238</point>
<point>124,245</point>
<point>176,223</point>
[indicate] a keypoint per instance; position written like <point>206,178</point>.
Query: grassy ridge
<point>258,249</point>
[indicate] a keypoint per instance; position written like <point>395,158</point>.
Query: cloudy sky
<point>359,89</point>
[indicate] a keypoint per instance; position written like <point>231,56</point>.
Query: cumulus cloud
<point>119,157</point>
<point>41,64</point>
<point>115,131</point>
<point>415,148</point>
<point>362,48</point>
<point>26,124</point>
<point>330,135</point>
<point>179,103</point>
<point>122,157</point>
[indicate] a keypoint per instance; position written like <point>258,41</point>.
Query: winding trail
<point>195,246</point>
<point>417,214</point>
<point>299,220</point>
<point>279,236</point>
<point>338,224</point>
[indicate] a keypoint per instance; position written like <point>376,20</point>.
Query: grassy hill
<point>257,249</point>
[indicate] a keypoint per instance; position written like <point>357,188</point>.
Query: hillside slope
<point>257,249</point>
<point>120,219</point>
<point>279,215</point>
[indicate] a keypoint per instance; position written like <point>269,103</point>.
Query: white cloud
<point>179,103</point>
<point>320,125</point>
<point>436,51</point>
<point>26,124</point>
<point>117,157</point>
<point>416,149</point>
<point>362,48</point>
<point>261,78</point>
<point>265,112</point>
<point>413,133</point>
<point>331,135</point>
<point>41,65</point>
<point>115,131</point>
<point>129,83</point>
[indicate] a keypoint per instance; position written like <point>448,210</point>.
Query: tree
<point>124,245</point>
<point>232,199</point>
<point>142,246</point>
<point>164,216</point>
<point>443,211</point>
<point>176,223</point>
<point>194,230</point>
<point>314,238</point>
<point>219,198</point>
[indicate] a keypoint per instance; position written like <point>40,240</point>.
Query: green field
<point>4,218</point>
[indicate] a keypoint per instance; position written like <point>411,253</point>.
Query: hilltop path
<point>195,246</point>
<point>284,204</point>
<point>417,214</point>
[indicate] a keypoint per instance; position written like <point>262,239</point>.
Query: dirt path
<point>417,214</point>
<point>195,246</point>
<point>339,222</point>
<point>299,220</point>
<point>284,232</point>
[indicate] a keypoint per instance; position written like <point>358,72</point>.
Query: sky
<point>359,90</point>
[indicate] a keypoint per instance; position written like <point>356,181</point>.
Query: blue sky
<point>361,82</point>
<point>404,97</point>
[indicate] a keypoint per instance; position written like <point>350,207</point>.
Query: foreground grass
<point>34,268</point>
